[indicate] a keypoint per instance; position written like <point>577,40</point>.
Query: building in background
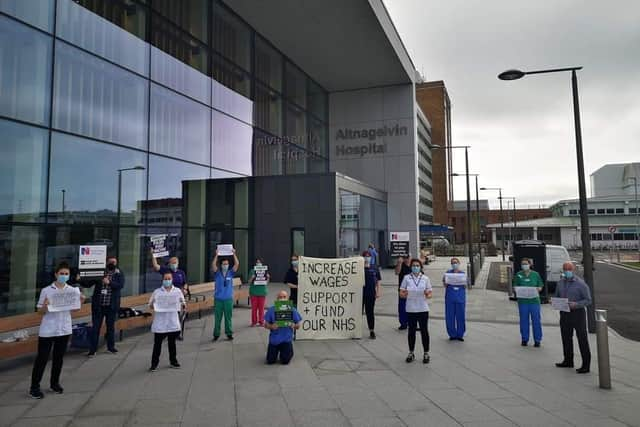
<point>615,180</point>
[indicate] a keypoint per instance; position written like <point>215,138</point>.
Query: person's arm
<point>236,262</point>
<point>117,281</point>
<point>183,302</point>
<point>558,287</point>
<point>151,300</point>
<point>214,263</point>
<point>297,319</point>
<point>540,284</point>
<point>585,297</point>
<point>287,281</point>
<point>154,262</point>
<point>252,276</point>
<point>378,281</point>
<point>270,320</point>
<point>399,262</point>
<point>403,288</point>
<point>428,292</point>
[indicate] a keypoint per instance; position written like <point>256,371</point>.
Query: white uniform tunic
<point>164,322</point>
<point>58,323</point>
<point>416,286</point>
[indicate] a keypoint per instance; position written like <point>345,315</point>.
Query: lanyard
<point>414,280</point>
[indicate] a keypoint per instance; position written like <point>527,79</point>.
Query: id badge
<point>104,292</point>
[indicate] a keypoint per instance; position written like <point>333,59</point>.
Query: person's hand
<point>217,252</point>
<point>378,293</point>
<point>233,251</point>
<point>106,280</point>
<point>428,294</point>
<point>572,304</point>
<point>274,326</point>
<point>45,305</point>
<point>82,299</point>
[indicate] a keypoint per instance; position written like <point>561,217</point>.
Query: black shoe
<point>175,365</point>
<point>153,368</point>
<point>180,338</point>
<point>452,338</point>
<point>524,343</point>
<point>402,327</point>
<point>113,350</point>
<point>583,370</point>
<point>536,344</point>
<point>215,338</point>
<point>372,335</point>
<point>36,393</point>
<point>426,358</point>
<point>410,358</point>
<point>57,389</point>
<point>230,337</point>
<point>460,339</point>
<point>91,354</point>
<point>564,364</point>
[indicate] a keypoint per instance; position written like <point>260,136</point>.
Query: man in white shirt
<point>166,302</point>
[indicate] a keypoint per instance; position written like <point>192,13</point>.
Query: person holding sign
<point>403,267</point>
<point>370,291</point>
<point>105,304</point>
<point>576,291</point>
<point>455,300</point>
<point>416,289</point>
<point>165,302</point>
<point>223,296</point>
<point>291,278</point>
<point>179,277</point>
<point>527,285</point>
<point>281,320</point>
<point>55,304</point>
<point>258,279</point>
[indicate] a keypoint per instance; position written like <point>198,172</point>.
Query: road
<point>618,291</point>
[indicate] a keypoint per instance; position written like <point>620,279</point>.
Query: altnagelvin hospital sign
<point>371,135</point>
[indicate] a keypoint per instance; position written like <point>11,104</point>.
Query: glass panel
<point>132,255</point>
<point>23,172</point>
<point>318,142</point>
<point>268,64</point>
<point>124,13</point>
<point>231,76</point>
<point>267,155</point>
<point>20,251</point>
<point>295,159</point>
<point>268,110</point>
<point>97,99</point>
<point>87,30</point>
<point>217,173</point>
<point>295,85</point>
<point>231,144</point>
<point>194,262</point>
<point>317,100</point>
<point>168,38</point>
<point>25,72</point>
<point>179,127</point>
<point>295,125</point>
<point>297,242</point>
<point>317,164</point>
<point>91,197</point>
<point>170,72</point>
<point>37,13</point>
<point>232,103</point>
<point>190,15</point>
<point>231,37</point>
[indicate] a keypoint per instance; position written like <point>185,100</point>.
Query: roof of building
<point>461,205</point>
<point>610,198</point>
<point>572,222</point>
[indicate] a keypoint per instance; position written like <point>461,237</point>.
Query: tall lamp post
<point>135,168</point>
<point>499,189</point>
<point>582,188</point>
<point>635,187</point>
<point>63,204</point>
<point>469,240</point>
<point>477,210</point>
<point>513,216</point>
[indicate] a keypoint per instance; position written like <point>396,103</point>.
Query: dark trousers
<point>402,311</point>
<point>576,319</point>
<point>97,315</point>
<point>285,350</point>
<point>59,345</point>
<point>415,319</point>
<point>157,347</point>
<point>368,303</point>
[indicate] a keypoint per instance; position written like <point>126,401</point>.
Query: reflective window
<point>37,13</point>
<point>180,127</point>
<point>295,159</point>
<point>232,103</point>
<point>295,125</point>
<point>25,72</point>
<point>231,37</point>
<point>268,110</point>
<point>91,193</point>
<point>317,164</point>
<point>189,15</point>
<point>231,76</point>
<point>231,145</point>
<point>125,14</point>
<point>23,172</point>
<point>318,142</point>
<point>295,86</point>
<point>84,28</point>
<point>268,64</point>
<point>97,99</point>
<point>267,155</point>
<point>175,74</point>
<point>180,45</point>
<point>317,100</point>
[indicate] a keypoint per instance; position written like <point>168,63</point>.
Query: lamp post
<point>513,217</point>
<point>582,188</point>
<point>477,211</point>
<point>501,216</point>
<point>135,168</point>
<point>469,240</point>
<point>63,205</point>
<point>635,187</point>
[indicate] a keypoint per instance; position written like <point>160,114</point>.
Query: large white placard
<point>455,279</point>
<point>167,302</point>
<point>64,300</point>
<point>159,245</point>
<point>561,304</point>
<point>261,274</point>
<point>225,250</point>
<point>92,257</point>
<point>526,291</point>
<point>330,297</point>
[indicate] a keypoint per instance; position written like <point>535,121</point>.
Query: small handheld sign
<point>284,313</point>
<point>261,274</point>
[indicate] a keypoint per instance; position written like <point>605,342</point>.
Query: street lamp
<point>513,213</point>
<point>501,216</point>
<point>582,189</point>
<point>135,168</point>
<point>469,242</point>
<point>477,210</point>
<point>63,205</point>
<point>635,186</point>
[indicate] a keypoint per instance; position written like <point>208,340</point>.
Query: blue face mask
<point>225,267</point>
<point>294,263</point>
<point>415,269</point>
<point>568,275</point>
<point>525,267</point>
<point>63,278</point>
<point>455,266</point>
<point>367,259</point>
<point>166,283</point>
<point>173,267</point>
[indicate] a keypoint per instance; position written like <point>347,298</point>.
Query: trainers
<point>215,338</point>
<point>91,354</point>
<point>536,344</point>
<point>460,339</point>
<point>402,327</point>
<point>426,358</point>
<point>372,335</point>
<point>175,365</point>
<point>583,370</point>
<point>113,350</point>
<point>56,388</point>
<point>153,369</point>
<point>523,343</point>
<point>564,364</point>
<point>180,338</point>
<point>36,394</point>
<point>410,358</point>
<point>230,337</point>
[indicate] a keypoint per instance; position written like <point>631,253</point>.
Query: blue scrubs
<point>455,299</point>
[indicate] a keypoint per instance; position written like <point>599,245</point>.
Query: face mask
<point>525,267</point>
<point>415,269</point>
<point>568,275</point>
<point>173,267</point>
<point>225,267</point>
<point>455,266</point>
<point>294,263</point>
<point>258,263</point>
<point>166,283</point>
<point>111,267</point>
<point>63,278</point>
<point>367,259</point>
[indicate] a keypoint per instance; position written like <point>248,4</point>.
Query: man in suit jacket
<point>105,304</point>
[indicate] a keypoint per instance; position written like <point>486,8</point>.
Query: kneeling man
<point>281,337</point>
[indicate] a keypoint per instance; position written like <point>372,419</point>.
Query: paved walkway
<point>489,380</point>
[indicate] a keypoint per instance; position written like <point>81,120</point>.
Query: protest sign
<point>330,297</point>
<point>225,250</point>
<point>399,244</point>
<point>284,313</point>
<point>166,302</point>
<point>526,291</point>
<point>455,279</point>
<point>159,245</point>
<point>561,304</point>
<point>92,260</point>
<point>261,274</point>
<point>66,299</point>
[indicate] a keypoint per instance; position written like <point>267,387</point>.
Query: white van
<point>556,256</point>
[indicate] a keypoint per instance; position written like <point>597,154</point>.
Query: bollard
<point>602,342</point>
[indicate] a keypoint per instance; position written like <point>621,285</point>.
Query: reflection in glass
<point>84,28</point>
<point>231,76</point>
<point>175,74</point>
<point>232,103</point>
<point>317,100</point>
<point>180,127</point>
<point>97,99</point>
<point>295,86</point>
<point>190,15</point>
<point>38,14</point>
<point>231,37</point>
<point>361,220</point>
<point>91,192</point>
<point>318,142</point>
<point>267,154</point>
<point>132,253</point>
<point>125,14</point>
<point>268,110</point>
<point>231,145</point>
<point>268,64</point>
<point>170,39</point>
<point>295,125</point>
<point>23,172</point>
<point>25,72</point>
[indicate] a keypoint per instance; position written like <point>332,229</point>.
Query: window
<point>25,72</point>
<point>90,193</point>
<point>610,211</point>
<point>317,142</point>
<point>126,14</point>
<point>231,37</point>
<point>295,125</point>
<point>268,110</point>
<point>180,45</point>
<point>38,14</point>
<point>573,212</point>
<point>618,236</point>
<point>295,88</point>
<point>632,210</point>
<point>620,210</point>
<point>179,127</point>
<point>97,99</point>
<point>267,154</point>
<point>316,100</point>
<point>591,211</point>
<point>23,172</point>
<point>601,211</point>
<point>231,76</point>
<point>268,64</point>
<point>190,15</point>
<point>231,144</point>
<point>182,78</point>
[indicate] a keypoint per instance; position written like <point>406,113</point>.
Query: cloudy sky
<point>522,132</point>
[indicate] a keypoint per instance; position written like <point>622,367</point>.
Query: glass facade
<point>182,91</point>
<point>363,220</point>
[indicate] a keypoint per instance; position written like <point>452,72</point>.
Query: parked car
<point>556,256</point>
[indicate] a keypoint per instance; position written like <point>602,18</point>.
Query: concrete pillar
<point>535,233</point>
<point>494,237</point>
